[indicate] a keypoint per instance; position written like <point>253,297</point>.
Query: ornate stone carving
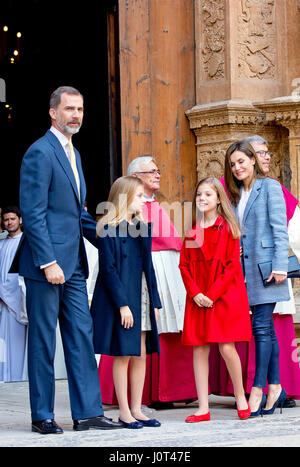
<point>213,39</point>
<point>277,120</point>
<point>276,165</point>
<point>257,39</point>
<point>211,163</point>
<point>283,111</point>
<point>224,113</point>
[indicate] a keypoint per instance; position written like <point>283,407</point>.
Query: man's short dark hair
<point>8,209</point>
<point>56,95</point>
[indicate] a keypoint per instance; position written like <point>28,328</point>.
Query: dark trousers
<point>46,303</point>
<point>266,346</point>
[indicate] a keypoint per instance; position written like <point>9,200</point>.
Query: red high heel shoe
<point>198,418</point>
<point>244,413</point>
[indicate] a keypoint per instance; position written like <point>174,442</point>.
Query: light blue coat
<point>265,238</point>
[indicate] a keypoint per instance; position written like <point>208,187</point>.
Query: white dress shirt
<point>63,140</point>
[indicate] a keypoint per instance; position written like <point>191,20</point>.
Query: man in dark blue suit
<point>53,260</point>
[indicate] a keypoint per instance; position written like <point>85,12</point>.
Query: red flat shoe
<point>198,418</point>
<point>245,413</point>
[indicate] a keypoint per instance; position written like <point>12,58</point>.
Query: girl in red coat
<point>217,308</point>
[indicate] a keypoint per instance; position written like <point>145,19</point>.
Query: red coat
<point>214,269</point>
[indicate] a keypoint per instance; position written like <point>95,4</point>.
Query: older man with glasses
<point>169,376</point>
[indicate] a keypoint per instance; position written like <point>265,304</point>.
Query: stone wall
<point>248,82</point>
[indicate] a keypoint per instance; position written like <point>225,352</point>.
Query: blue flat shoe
<point>260,408</point>
<point>280,401</point>
<point>132,425</point>
<point>152,422</point>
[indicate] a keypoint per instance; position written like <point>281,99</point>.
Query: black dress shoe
<point>289,403</point>
<point>97,423</point>
<point>158,405</point>
<point>46,427</point>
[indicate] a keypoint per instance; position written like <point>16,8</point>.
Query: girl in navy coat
<point>125,302</point>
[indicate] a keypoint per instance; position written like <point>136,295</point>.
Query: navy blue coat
<point>124,253</point>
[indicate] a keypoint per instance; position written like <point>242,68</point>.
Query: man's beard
<point>65,128</point>
<point>13,230</point>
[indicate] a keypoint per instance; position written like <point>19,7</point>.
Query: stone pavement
<point>225,429</point>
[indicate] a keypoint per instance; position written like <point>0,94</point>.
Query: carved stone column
<point>240,49</point>
<point>240,59</point>
<point>216,126</point>
<point>247,56</point>
<point>219,124</point>
<point>285,112</point>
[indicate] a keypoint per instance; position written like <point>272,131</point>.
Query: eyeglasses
<point>263,153</point>
<point>152,172</point>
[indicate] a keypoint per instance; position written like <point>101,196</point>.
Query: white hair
<point>255,139</point>
<point>135,164</point>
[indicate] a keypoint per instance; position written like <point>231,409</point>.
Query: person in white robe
<point>13,317</point>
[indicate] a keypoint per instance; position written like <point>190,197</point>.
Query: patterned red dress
<point>210,264</point>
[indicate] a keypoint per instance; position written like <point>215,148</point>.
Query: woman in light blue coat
<point>260,208</point>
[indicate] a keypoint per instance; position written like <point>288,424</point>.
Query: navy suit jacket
<point>54,219</point>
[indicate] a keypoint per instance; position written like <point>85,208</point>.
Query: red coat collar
<point>219,222</point>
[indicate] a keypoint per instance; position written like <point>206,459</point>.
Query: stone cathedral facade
<point>196,75</point>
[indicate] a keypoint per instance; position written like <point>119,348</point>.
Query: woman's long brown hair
<point>232,184</point>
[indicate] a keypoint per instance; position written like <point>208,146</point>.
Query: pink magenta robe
<point>170,375</point>
<point>219,380</point>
